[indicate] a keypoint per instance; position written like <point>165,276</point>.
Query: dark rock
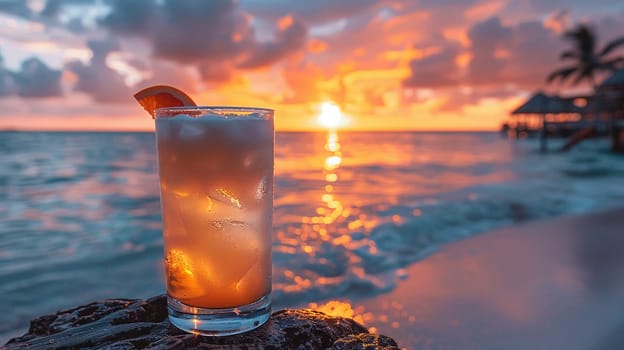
<point>140,324</point>
<point>365,341</point>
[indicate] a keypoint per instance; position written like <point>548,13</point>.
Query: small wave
<point>592,172</point>
<point>367,261</point>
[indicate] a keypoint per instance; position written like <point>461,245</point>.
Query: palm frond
<point>612,64</point>
<point>562,74</point>
<point>612,45</point>
<point>568,54</point>
<point>584,74</point>
<point>583,37</point>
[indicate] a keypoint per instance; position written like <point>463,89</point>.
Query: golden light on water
<point>329,223</point>
<point>332,162</point>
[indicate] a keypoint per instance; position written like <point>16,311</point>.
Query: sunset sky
<point>388,64</point>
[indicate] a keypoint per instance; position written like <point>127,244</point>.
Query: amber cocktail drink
<point>216,179</point>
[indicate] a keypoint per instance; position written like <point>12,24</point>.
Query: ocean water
<point>80,215</point>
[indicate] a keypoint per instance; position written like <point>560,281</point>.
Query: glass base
<point>219,322</point>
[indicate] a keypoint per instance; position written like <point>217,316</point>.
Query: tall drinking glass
<point>216,193</point>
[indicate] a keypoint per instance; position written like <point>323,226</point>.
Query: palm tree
<point>589,61</point>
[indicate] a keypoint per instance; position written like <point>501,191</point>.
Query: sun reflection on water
<point>330,240</point>
<point>330,168</point>
<point>330,208</point>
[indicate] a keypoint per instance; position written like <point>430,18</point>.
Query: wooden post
<point>543,145</point>
<point>617,137</point>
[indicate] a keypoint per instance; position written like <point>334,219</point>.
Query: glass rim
<point>216,109</point>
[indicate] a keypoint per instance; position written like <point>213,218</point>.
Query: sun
<point>330,116</point>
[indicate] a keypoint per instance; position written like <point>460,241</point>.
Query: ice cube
<point>173,224</point>
<point>255,283</point>
<point>234,248</point>
<point>224,196</point>
<point>182,279</point>
<point>234,229</point>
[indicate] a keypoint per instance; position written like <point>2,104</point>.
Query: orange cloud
<point>389,65</point>
<point>485,9</point>
<point>285,22</point>
<point>317,46</point>
<point>463,59</point>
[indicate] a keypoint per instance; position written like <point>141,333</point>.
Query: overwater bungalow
<point>573,117</point>
<point>611,105</point>
<point>549,114</point>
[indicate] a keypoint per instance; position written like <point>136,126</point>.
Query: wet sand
<point>555,284</point>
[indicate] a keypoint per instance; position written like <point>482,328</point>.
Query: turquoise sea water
<point>80,215</point>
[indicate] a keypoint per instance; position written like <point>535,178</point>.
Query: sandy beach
<point>553,284</point>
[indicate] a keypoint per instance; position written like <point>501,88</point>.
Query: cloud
<point>581,6</point>
<point>16,8</point>
<point>214,36</point>
<point>302,78</point>
<point>53,8</point>
<point>532,58</point>
<point>456,98</point>
<point>291,38</point>
<point>497,55</point>
<point>131,17</point>
<point>558,21</point>
<point>170,73</point>
<point>490,50</point>
<point>215,72</point>
<point>522,54</point>
<point>5,79</point>
<point>317,11</point>
<point>182,31</point>
<point>609,27</point>
<point>34,79</point>
<point>435,70</point>
<point>31,9</point>
<point>365,55</point>
<point>97,79</point>
<point>384,36</point>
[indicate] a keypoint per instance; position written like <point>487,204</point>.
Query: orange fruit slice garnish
<point>159,96</point>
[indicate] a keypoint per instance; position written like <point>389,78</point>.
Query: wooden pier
<point>576,118</point>
<point>617,137</point>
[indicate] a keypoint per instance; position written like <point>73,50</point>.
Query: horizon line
<point>10,129</point>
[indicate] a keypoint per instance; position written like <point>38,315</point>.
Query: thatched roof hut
<point>541,103</point>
